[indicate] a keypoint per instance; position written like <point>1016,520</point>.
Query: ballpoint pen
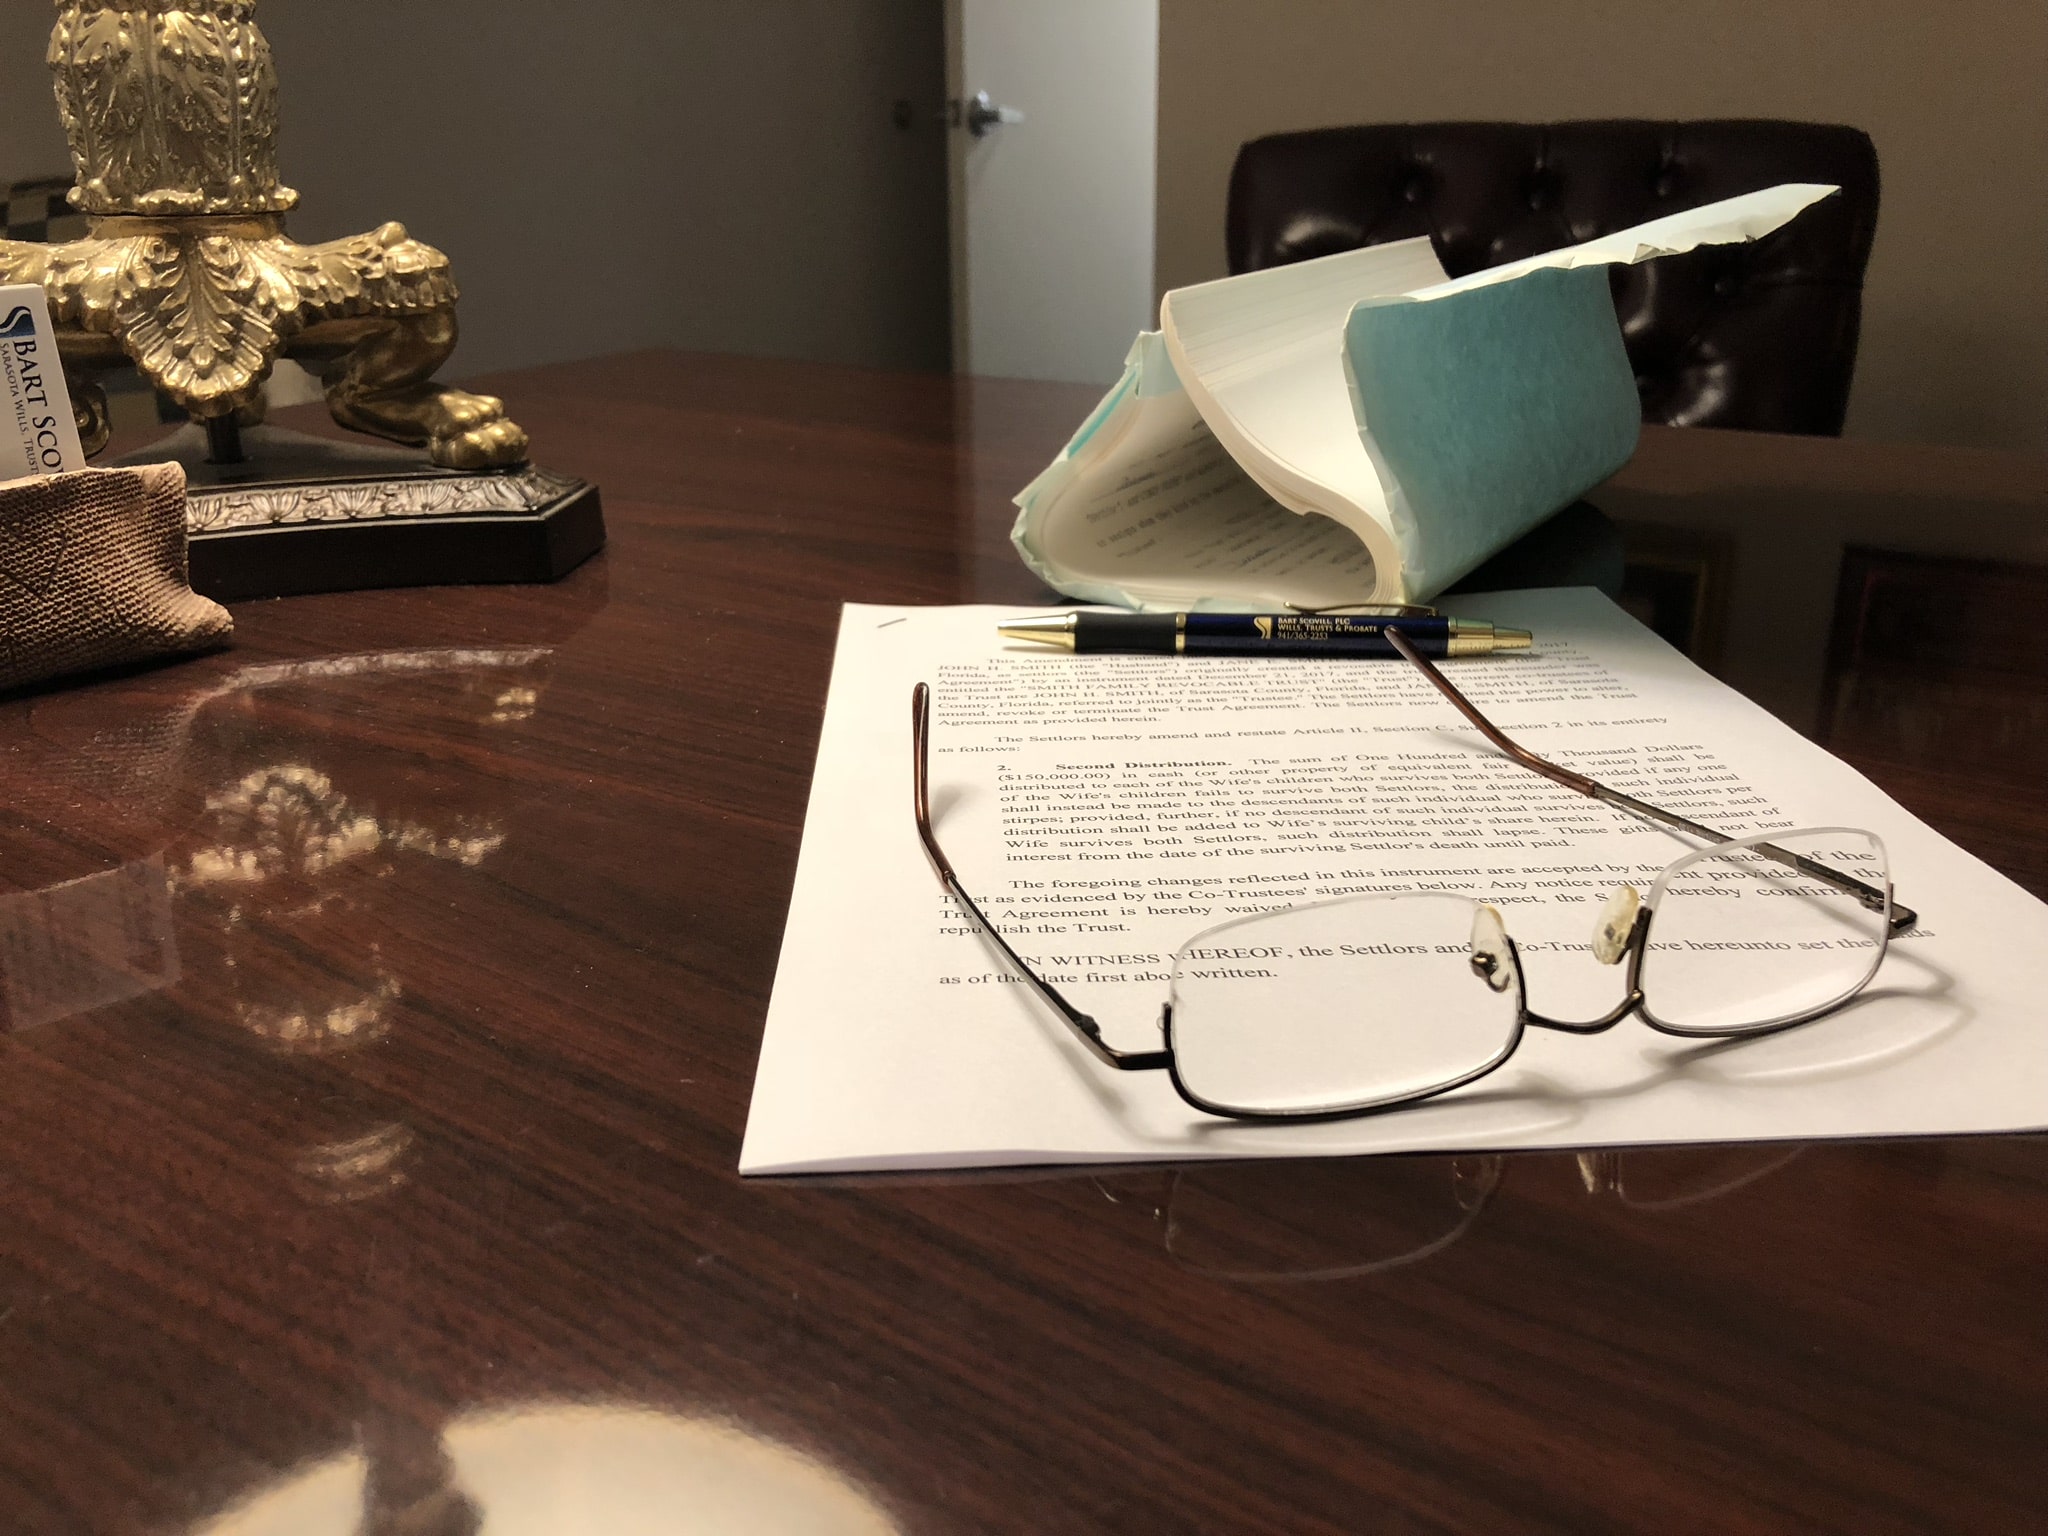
<point>1358,636</point>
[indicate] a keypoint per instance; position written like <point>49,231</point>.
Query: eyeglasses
<point>1368,1003</point>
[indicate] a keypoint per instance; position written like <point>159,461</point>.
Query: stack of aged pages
<point>1356,428</point>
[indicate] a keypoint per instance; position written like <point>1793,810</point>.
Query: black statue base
<point>291,513</point>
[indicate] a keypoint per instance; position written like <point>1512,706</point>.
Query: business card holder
<point>92,575</point>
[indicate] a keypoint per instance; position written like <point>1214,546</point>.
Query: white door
<point>1052,158</point>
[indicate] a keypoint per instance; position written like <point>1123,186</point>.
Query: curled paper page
<point>1728,222</point>
<point>1486,403</point>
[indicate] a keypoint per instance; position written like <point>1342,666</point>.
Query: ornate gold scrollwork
<point>171,110</point>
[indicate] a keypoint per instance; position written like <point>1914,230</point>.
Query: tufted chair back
<point>1759,336</point>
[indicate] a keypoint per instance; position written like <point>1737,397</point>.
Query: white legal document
<point>1104,809</point>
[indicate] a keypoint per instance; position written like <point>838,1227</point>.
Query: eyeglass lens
<point>1370,1000</point>
<point>1337,1005</point>
<point>1741,941</point>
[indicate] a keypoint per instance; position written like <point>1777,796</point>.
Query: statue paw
<point>486,445</point>
<point>460,430</point>
<point>460,411</point>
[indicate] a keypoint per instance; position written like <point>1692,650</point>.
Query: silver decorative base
<point>302,514</point>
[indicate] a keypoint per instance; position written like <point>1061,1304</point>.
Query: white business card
<point>38,435</point>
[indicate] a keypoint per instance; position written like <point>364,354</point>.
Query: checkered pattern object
<point>36,210</point>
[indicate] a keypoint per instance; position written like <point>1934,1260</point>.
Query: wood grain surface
<point>379,1002</point>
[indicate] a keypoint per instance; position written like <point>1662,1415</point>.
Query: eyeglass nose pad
<point>1617,923</point>
<point>1493,958</point>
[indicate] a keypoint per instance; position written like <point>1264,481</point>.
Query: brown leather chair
<point>1760,336</point>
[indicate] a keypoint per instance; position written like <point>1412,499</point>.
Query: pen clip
<point>1376,610</point>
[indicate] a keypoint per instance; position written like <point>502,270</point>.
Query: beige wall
<point>31,143</point>
<point>1955,332</point>
<point>611,174</point>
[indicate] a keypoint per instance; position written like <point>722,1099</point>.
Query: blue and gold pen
<point>1360,636</point>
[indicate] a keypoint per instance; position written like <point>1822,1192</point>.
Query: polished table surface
<point>381,1000</point>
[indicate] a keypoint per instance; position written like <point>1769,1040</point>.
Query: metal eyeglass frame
<point>1897,920</point>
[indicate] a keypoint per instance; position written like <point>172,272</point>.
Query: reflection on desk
<point>277,891</point>
<point>550,1263</point>
<point>566,1469</point>
<point>1318,1220</point>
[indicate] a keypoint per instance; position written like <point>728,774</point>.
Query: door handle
<point>983,114</point>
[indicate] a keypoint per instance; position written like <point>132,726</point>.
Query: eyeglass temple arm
<point>1902,918</point>
<point>1082,1025</point>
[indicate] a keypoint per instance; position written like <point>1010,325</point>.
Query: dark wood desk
<point>383,1009</point>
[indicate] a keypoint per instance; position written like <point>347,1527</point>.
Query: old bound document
<point>1105,809</point>
<point>1357,427</point>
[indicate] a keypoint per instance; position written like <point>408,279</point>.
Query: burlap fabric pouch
<point>93,574</point>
